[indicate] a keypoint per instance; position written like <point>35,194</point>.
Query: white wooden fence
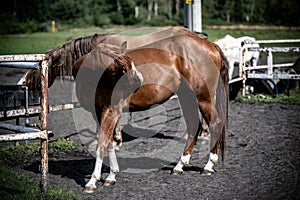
<point>268,70</point>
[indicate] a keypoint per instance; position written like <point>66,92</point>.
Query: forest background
<point>27,16</point>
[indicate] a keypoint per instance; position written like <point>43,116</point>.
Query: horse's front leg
<point>113,165</point>
<point>109,120</point>
<point>103,142</point>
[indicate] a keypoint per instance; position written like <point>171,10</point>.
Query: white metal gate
<point>247,71</point>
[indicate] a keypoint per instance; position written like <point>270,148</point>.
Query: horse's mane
<point>92,60</point>
<point>63,58</point>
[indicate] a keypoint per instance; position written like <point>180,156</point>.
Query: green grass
<point>62,145</point>
<point>293,98</point>
<point>18,186</point>
<point>41,42</point>
<point>31,149</point>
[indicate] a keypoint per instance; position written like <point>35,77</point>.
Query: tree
<point>177,6</point>
<point>150,7</point>
<point>68,9</point>
<point>30,15</point>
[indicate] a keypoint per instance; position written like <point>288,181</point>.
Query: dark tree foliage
<point>25,10</point>
<point>32,15</point>
<point>275,12</point>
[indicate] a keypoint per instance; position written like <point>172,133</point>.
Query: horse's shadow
<point>128,135</point>
<point>77,170</point>
<point>189,168</point>
<point>80,170</point>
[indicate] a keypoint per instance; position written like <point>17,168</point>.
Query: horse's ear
<point>123,47</point>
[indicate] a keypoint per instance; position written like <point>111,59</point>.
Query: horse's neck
<point>63,58</point>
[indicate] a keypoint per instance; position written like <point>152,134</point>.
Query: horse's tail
<point>222,95</point>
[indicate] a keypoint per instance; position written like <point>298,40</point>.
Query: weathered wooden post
<point>44,126</point>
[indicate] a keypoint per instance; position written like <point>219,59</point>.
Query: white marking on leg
<point>114,167</point>
<point>213,158</point>
<point>184,160</point>
<point>97,171</point>
<point>138,73</point>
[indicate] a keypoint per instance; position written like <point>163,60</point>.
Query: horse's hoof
<point>89,189</point>
<point>207,173</point>
<point>176,172</point>
<point>109,183</point>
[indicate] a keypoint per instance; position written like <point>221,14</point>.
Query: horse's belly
<point>149,95</point>
<point>160,83</point>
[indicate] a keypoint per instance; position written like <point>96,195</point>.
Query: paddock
<point>261,162</point>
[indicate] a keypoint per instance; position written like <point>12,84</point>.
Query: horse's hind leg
<point>210,122</point>
<point>190,110</point>
<point>213,159</point>
<point>213,156</point>
<point>117,143</point>
<point>185,157</point>
<point>218,143</point>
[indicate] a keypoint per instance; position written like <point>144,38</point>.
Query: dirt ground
<point>262,157</point>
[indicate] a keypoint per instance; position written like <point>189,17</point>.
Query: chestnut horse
<point>135,79</point>
<point>63,58</point>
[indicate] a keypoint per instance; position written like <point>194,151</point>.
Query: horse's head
<point>58,65</point>
<point>32,79</point>
<point>125,65</point>
<point>112,60</point>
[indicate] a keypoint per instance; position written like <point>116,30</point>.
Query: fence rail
<point>14,61</point>
<point>278,41</point>
<point>251,71</point>
<point>35,110</point>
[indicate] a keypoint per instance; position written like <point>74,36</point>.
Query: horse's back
<point>165,62</point>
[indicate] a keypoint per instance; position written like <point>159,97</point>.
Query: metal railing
<point>268,73</point>
<point>32,61</point>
